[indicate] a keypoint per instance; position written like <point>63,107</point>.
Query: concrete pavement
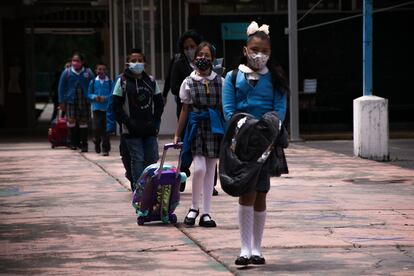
<point>63,212</point>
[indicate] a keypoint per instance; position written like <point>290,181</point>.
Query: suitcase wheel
<point>173,218</point>
<point>140,221</point>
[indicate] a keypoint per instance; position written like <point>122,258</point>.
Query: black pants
<point>100,134</point>
<point>126,159</point>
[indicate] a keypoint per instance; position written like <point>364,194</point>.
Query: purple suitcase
<point>157,193</point>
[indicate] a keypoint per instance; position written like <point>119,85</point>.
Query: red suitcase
<point>58,132</point>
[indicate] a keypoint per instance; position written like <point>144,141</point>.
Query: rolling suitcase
<point>58,132</point>
<point>157,193</point>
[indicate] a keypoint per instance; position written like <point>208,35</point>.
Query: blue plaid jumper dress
<point>206,143</point>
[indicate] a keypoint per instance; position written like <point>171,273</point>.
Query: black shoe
<point>242,260</point>
<point>182,186</point>
<point>257,260</point>
<point>73,147</point>
<point>84,148</point>
<point>97,148</point>
<point>206,223</point>
<point>186,171</point>
<point>215,192</point>
<point>191,221</point>
<point>105,153</point>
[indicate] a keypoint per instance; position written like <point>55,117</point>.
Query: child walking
<point>138,106</point>
<point>73,98</point>
<point>99,93</point>
<point>259,88</point>
<point>201,114</point>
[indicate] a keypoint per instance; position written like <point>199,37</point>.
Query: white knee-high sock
<point>208,184</point>
<point>258,227</point>
<point>246,229</point>
<point>198,179</point>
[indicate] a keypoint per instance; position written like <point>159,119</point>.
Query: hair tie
<point>254,28</point>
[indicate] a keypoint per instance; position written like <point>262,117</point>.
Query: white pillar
<point>371,128</point>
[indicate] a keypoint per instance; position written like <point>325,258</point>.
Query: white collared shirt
<point>252,75</point>
<point>185,88</point>
<point>77,73</point>
<point>102,80</point>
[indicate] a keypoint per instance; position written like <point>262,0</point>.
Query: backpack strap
<point>93,86</point>
<point>123,83</point>
<point>67,74</point>
<point>234,76</point>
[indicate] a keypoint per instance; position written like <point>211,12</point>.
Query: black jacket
<point>180,70</point>
<point>249,149</point>
<point>139,109</point>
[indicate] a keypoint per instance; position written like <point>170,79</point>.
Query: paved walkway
<point>62,212</point>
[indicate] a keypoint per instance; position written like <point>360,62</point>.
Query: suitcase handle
<point>172,145</point>
<point>59,113</point>
<point>164,154</point>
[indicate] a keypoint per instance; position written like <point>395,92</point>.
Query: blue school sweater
<point>256,100</point>
<point>98,88</point>
<point>70,81</point>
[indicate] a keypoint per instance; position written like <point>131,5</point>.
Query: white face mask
<point>190,54</point>
<point>136,67</point>
<point>257,60</point>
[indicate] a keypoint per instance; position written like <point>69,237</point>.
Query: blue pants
<point>143,152</point>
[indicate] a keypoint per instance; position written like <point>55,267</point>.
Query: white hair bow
<point>254,28</point>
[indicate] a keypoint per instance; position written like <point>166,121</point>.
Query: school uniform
<point>138,107</point>
<point>202,138</point>
<point>73,92</point>
<point>252,93</point>
<point>194,93</point>
<point>100,88</point>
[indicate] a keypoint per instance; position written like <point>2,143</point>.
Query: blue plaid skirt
<point>80,109</point>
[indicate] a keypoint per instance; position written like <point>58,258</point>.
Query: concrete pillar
<point>371,128</point>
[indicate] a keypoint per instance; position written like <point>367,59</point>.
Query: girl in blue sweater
<point>73,98</point>
<point>258,88</point>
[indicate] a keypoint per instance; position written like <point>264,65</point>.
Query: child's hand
<point>176,139</point>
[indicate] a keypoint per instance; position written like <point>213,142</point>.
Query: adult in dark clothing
<point>183,66</point>
<point>167,82</point>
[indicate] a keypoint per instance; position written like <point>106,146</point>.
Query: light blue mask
<point>136,67</point>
